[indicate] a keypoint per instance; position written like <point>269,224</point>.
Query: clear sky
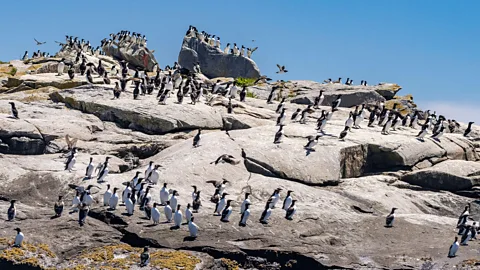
<point>431,48</point>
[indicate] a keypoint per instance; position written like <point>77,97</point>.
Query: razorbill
<point>144,257</point>
<point>220,205</point>
<point>274,198</point>
<point>197,203</point>
<point>287,201</point>
<point>278,136</point>
<point>245,215</point>
<point>226,212</point>
<point>318,100</point>
<point>281,118</point>
<point>265,214</point>
<point>390,218</point>
<point>336,103</point>
<point>291,211</point>
<point>244,203</point>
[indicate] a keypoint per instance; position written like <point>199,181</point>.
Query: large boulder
<point>137,56</point>
<point>451,175</point>
<point>304,92</point>
<point>148,116</point>
<point>213,62</point>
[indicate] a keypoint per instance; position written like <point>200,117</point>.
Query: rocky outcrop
<point>304,92</point>
<point>451,175</point>
<point>215,63</point>
<point>149,117</point>
<point>137,56</point>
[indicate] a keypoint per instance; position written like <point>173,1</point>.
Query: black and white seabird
<point>227,211</point>
<point>468,130</point>
<point>71,72</point>
<point>452,251</point>
<point>58,207</point>
<point>193,228</point>
<point>318,100</point>
<point>18,238</point>
<point>390,218</point>
<point>278,136</point>
<point>281,118</point>
<point>295,114</point>
<point>343,134</point>
<point>245,215</point>
<point>197,203</point>
<point>336,103</point>
<point>178,217</point>
<point>291,211</point>
<point>312,141</point>
<point>107,195</point>
<point>281,69</point>
<point>14,110</point>
<point>196,139</point>
<point>12,211</point>
<point>265,214</point>
<point>273,200</point>
<point>144,257</point>
<point>220,205</point>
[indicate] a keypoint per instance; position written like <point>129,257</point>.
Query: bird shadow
<point>386,226</point>
<point>420,140</point>
<point>174,228</point>
<point>85,179</point>
<point>144,218</point>
<point>127,214</point>
<point>436,139</point>
<point>185,223</point>
<point>189,239</point>
<point>54,217</point>
<point>151,225</point>
<point>308,152</point>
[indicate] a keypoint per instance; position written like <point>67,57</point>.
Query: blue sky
<point>430,48</point>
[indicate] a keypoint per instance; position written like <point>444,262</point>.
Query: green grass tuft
<point>251,94</point>
<point>13,71</point>
<point>241,82</point>
<point>1,62</point>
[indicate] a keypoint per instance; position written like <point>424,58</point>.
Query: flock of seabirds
<point>137,191</point>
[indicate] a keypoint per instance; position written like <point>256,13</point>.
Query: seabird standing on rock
<point>60,67</point>
<point>245,215</point>
<point>18,238</point>
<point>192,228</point>
<point>164,193</point>
<point>178,217</point>
<point>388,124</point>
<point>168,212</point>
<point>14,110</point>
<point>466,236</point>
<point>390,218</point>
<point>25,56</point>
<point>336,103</point>
<point>12,211</point>
<point>243,94</point>
<point>291,211</point>
<point>265,214</point>
<point>227,211</point>
<point>104,172</point>
<point>155,214</point>
<point>130,203</point>
<point>107,195</point>
<point>308,110</point>
<point>439,133</point>
<point>452,251</point>
<point>144,257</point>
<point>274,198</point>
<point>312,141</point>
<point>244,203</point>
<point>318,100</point>
<point>468,130</point>
<point>278,136</point>
<point>71,160</point>
<point>281,117</point>
<point>196,139</point>
<point>197,203</point>
<point>270,96</point>
<point>220,205</point>
<point>287,201</point>
<point>423,132</point>
<point>89,76</point>
<point>295,114</point>
<point>344,133</point>
<point>126,192</point>
<point>280,106</point>
<point>71,73</point>
<point>188,212</point>
<point>227,49</point>
<point>58,207</point>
